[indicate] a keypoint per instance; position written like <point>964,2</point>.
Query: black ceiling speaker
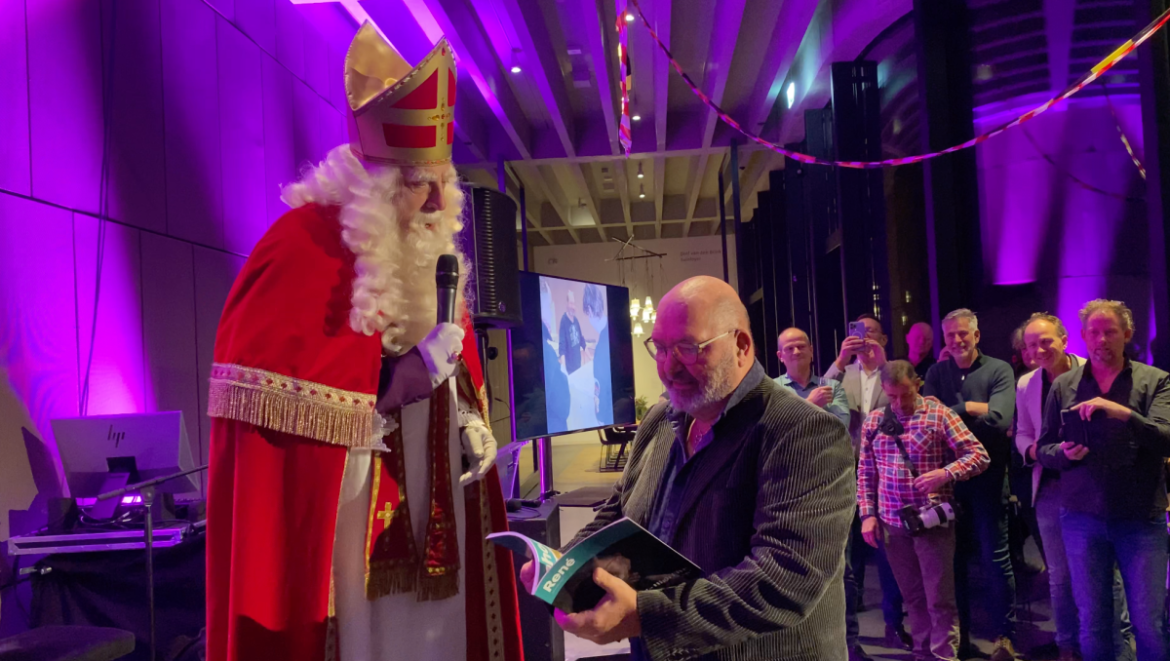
<point>488,240</point>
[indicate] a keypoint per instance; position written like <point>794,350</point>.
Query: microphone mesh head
<point>447,271</point>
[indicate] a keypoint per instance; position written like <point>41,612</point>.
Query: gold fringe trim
<point>393,577</point>
<point>436,588</point>
<point>292,406</point>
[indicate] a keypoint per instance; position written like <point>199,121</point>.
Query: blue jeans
<point>982,536</point>
<point>1138,547</point>
<point>1064,606</point>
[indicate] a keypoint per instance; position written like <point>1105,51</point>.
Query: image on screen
<point>573,359</point>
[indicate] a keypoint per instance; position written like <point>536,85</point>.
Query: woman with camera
<point>912,452</point>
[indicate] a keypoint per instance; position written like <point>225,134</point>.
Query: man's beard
<point>717,386</point>
<point>422,244</point>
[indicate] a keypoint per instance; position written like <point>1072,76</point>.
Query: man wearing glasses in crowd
<point>750,483</point>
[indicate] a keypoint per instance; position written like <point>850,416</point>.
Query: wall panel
<point>257,18</point>
<point>191,102</point>
<point>214,274</point>
<point>168,330</point>
<point>14,155</point>
<point>241,121</point>
<point>279,162</point>
<point>116,365</point>
<point>132,51</point>
<point>65,94</point>
<point>38,345</point>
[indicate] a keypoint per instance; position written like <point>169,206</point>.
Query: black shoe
<point>858,654</point>
<point>897,638</point>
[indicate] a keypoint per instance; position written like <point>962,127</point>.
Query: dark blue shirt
<point>664,515</point>
<point>988,380</point>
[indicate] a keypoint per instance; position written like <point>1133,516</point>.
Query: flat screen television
<point>573,358</point>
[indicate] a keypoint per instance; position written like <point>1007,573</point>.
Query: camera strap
<point>892,427</point>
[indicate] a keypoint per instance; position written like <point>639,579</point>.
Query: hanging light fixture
<point>641,175</point>
<point>638,330</point>
<point>646,315</point>
<point>649,304</point>
<point>654,316</point>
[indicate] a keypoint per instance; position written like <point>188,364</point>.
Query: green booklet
<point>623,548</point>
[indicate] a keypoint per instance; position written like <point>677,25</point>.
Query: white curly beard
<point>394,284</point>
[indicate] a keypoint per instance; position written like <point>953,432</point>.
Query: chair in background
<point>613,447</point>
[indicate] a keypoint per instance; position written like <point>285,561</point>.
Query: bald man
<point>572,342</point>
<point>920,341</point>
<point>796,352</point>
<point>745,479</point>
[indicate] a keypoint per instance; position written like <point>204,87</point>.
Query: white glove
<point>479,446</point>
<point>440,351</point>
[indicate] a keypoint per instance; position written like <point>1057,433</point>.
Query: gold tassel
<point>388,578</point>
<point>436,588</point>
<point>292,406</point>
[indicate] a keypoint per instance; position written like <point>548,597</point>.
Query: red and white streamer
<point>625,133</point>
<point>1090,76</point>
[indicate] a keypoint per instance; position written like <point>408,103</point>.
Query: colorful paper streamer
<point>1092,75</point>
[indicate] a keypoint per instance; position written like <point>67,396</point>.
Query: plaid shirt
<point>935,438</point>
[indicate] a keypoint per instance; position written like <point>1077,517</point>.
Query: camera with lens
<point>918,520</point>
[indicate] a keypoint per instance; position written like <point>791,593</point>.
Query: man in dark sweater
<point>981,389</point>
<point>1111,453</point>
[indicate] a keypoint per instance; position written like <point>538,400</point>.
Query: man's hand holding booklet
<point>623,548</point>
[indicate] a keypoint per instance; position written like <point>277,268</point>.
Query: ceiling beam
<point>758,163</point>
<point>695,182</point>
<point>695,176</point>
<point>724,36</point>
<point>573,182</point>
<point>715,149</point>
<point>599,59</point>
<point>659,185</point>
<point>621,179</point>
<point>792,21</point>
<point>471,49</point>
<point>532,177</point>
<point>539,62</point>
<point>660,17</point>
<point>661,20</point>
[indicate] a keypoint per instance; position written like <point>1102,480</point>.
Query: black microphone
<point>446,281</point>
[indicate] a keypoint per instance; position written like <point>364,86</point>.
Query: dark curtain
<point>108,589</point>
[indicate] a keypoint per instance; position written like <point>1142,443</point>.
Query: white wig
<point>394,285</point>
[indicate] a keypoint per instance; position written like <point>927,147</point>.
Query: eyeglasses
<point>685,352</point>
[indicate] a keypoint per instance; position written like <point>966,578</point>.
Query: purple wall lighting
<point>181,119</point>
<point>1041,225</point>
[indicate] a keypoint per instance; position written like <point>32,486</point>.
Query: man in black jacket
<point>1111,450</point>
<point>982,390</point>
<point>746,479</point>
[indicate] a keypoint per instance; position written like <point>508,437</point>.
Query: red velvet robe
<point>293,390</point>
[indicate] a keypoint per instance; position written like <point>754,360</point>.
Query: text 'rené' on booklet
<point>623,548</point>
